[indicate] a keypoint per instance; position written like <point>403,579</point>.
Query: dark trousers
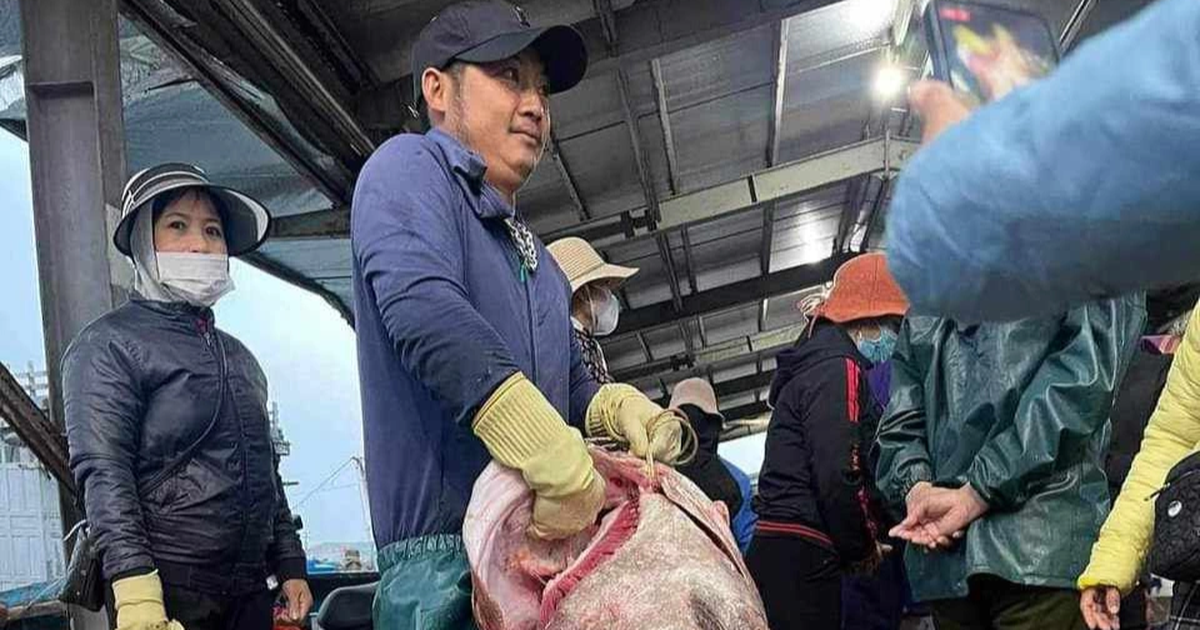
<point>201,611</point>
<point>996,604</point>
<point>876,602</point>
<point>1133,610</point>
<point>800,582</point>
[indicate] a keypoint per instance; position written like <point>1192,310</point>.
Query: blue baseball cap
<point>483,31</point>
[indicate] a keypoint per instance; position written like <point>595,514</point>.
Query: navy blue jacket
<point>445,312</point>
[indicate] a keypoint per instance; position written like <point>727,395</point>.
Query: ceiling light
<point>889,82</point>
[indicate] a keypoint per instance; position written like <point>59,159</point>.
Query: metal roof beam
<point>287,274</point>
<point>780,184</point>
<point>741,412</point>
<point>296,73</point>
<point>645,347</point>
<point>1075,24</point>
<point>605,10</point>
<point>781,55</point>
<point>777,184</point>
<point>768,239</point>
<point>322,224</point>
<point>764,345</point>
<point>736,386</point>
<point>34,429</point>
<point>163,26</point>
<point>260,42</point>
<point>564,172</point>
<point>689,260</point>
<point>786,181</point>
<point>728,296</point>
<point>649,29</point>
<point>624,224</point>
<point>657,28</point>
<point>664,119</point>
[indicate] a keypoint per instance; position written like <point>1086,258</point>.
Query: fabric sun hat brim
<point>615,274</point>
<point>700,395</point>
<point>245,221</point>
<point>561,49</point>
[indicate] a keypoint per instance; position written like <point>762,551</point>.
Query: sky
<point>303,345</point>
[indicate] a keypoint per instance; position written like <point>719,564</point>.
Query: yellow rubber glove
<point>522,430</point>
<point>624,413</point>
<point>139,602</point>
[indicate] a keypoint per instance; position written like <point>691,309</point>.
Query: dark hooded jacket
<point>815,473</point>
<point>141,384</point>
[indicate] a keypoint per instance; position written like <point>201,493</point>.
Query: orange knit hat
<point>863,288</point>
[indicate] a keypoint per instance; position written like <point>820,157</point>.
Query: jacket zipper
<point>206,333</point>
<point>532,321</point>
<point>207,336</point>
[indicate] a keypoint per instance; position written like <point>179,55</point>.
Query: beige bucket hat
<point>695,391</point>
<point>582,264</point>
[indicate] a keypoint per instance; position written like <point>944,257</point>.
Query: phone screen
<point>987,52</point>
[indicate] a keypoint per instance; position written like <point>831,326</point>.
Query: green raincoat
<point>1020,411</point>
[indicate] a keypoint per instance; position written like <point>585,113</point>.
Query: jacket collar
<point>470,168</point>
<point>175,310</point>
<point>826,340</point>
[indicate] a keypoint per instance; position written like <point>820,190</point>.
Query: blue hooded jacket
<point>445,311</point>
<point>1080,186</point>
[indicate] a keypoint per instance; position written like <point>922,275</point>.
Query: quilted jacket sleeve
<point>286,553</point>
<point>103,408</point>
<point>1173,433</point>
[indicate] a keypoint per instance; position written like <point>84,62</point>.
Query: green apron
<point>424,584</point>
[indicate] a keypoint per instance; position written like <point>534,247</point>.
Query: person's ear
<point>435,89</point>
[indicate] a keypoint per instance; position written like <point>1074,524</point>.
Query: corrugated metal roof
<point>718,62</point>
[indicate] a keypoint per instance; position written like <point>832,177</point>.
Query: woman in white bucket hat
<point>167,424</point>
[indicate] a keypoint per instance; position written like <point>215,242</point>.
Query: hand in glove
<point>522,430</point>
<point>624,413</point>
<point>561,517</point>
<point>139,603</point>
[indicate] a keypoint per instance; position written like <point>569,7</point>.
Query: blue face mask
<point>878,350</point>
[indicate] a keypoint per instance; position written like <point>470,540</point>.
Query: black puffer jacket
<point>141,385</point>
<point>814,471</point>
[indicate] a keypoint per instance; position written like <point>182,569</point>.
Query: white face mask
<point>605,311</point>
<point>198,279</point>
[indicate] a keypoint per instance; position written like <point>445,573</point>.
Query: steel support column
<point>73,95</point>
<point>72,88</point>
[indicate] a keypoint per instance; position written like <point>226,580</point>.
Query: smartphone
<point>986,51</point>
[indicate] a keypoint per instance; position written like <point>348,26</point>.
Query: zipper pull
<point>524,272</point>
<point>205,332</point>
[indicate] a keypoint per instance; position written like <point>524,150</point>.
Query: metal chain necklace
<point>523,239</point>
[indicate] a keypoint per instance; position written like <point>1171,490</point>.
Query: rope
<point>689,441</point>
